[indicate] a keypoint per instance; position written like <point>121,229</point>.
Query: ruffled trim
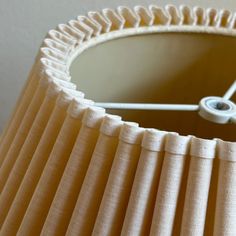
<point>63,45</point>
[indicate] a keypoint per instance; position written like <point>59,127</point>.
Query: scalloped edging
<point>63,45</point>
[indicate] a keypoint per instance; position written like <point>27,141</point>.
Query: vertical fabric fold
<point>22,105</point>
<point>37,163</point>
<point>116,196</point>
<point>199,178</point>
<point>42,198</point>
<point>90,196</point>
<point>176,152</point>
<point>225,215</point>
<point>22,132</point>
<point>142,199</point>
<point>20,166</point>
<point>67,192</point>
<point>69,168</point>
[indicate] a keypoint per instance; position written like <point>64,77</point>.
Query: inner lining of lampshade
<point>178,68</point>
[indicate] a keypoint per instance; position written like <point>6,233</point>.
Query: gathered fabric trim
<point>62,45</point>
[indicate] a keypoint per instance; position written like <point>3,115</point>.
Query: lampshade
<point>71,167</point>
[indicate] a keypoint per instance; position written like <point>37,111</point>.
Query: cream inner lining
<point>161,68</point>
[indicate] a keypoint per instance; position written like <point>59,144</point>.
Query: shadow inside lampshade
<point>178,68</point>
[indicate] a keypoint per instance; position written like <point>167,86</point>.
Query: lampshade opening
<point>178,68</point>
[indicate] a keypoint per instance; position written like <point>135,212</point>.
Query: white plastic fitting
<point>217,110</point>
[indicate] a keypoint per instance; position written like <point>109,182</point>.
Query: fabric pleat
<point>176,151</point>
<point>21,135</point>
<point>43,195</point>
<point>19,112</point>
<point>92,189</point>
<point>195,205</point>
<point>67,167</point>
<point>27,150</point>
<point>225,216</point>
<point>139,212</point>
<point>116,195</point>
<point>58,120</point>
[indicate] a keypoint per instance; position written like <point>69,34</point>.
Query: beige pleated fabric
<point>142,198</point>
<point>93,186</point>
<point>226,191</point>
<point>45,190</point>
<point>115,198</point>
<point>69,128</point>
<point>18,114</point>
<point>67,167</point>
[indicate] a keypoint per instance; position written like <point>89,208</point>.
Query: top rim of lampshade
<point>62,45</point>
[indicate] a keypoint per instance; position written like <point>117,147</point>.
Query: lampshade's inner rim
<point>188,66</point>
<point>68,41</point>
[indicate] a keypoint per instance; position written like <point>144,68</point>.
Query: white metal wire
<point>216,115</point>
<point>147,106</point>
<point>229,93</point>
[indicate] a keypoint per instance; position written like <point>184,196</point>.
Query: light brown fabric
<point>169,186</point>
<point>91,191</point>
<point>19,112</point>
<point>140,192</point>
<point>199,177</point>
<point>139,212</point>
<point>26,153</point>
<point>21,135</point>
<point>67,193</point>
<point>116,195</point>
<point>225,215</point>
<point>67,167</point>
<point>50,178</point>
<point>57,121</point>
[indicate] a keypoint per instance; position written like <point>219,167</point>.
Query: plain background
<point>24,24</point>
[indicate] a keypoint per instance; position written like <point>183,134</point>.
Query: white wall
<point>24,23</point>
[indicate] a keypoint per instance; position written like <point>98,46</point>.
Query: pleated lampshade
<point>70,167</point>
